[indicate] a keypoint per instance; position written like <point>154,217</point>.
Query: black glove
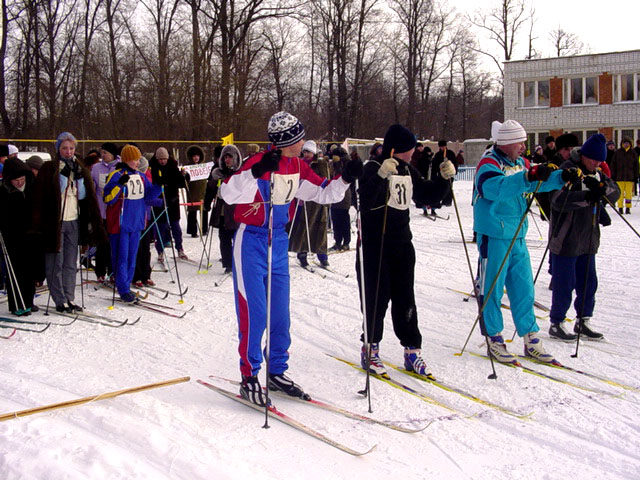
<point>597,189</point>
<point>352,171</point>
<point>124,178</point>
<point>572,175</point>
<point>541,172</point>
<point>268,163</point>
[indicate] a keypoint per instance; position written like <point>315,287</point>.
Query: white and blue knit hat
<point>284,130</point>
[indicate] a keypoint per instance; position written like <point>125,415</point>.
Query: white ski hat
<point>508,132</point>
<point>12,149</point>
<point>310,146</point>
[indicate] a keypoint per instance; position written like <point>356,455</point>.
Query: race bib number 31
<point>400,191</point>
<point>285,188</point>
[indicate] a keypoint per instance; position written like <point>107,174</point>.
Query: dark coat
<point>222,214</point>
<point>438,158</point>
<point>47,209</point>
<point>624,165</point>
<point>171,178</point>
<point>196,188</point>
<point>313,214</point>
<point>572,215</point>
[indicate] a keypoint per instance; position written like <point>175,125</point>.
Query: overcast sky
<point>604,26</point>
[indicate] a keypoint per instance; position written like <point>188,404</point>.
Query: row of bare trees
<point>199,69</point>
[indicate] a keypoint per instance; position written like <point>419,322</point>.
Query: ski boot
<point>375,364</point>
<point>302,258</point>
<point>182,255</point>
<point>251,391</point>
<point>413,362</point>
<point>557,331</point>
<point>582,327</point>
<point>73,308</point>
<point>498,350</point>
<point>533,348</point>
<point>281,383</point>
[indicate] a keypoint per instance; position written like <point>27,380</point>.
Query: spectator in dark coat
<point>440,156</point>
<point>24,256</point>
<point>196,190</point>
<point>624,171</point>
<point>575,238</point>
<point>165,172</point>
<point>550,147</point>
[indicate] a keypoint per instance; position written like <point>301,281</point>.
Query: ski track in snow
<point>188,432</point>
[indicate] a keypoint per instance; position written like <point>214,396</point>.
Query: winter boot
<point>628,211</point>
<point>557,331</point>
<point>498,350</point>
<point>149,283</point>
<point>161,258</point>
<point>138,284</point>
<point>182,255</point>
<point>375,364</point>
<point>620,210</point>
<point>414,362</point>
<point>129,298</point>
<point>324,261</point>
<point>302,258</point>
<point>251,391</point>
<point>61,309</point>
<point>336,248</point>
<point>582,327</point>
<point>74,308</point>
<point>345,247</point>
<point>282,383</point>
<point>533,348</point>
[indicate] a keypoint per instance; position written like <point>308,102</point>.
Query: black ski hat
<point>15,168</point>
<point>568,140</point>
<point>398,138</point>
<point>111,148</point>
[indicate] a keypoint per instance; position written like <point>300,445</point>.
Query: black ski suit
<point>398,255</point>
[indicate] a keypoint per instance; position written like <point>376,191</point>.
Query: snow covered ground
<point>189,432</point>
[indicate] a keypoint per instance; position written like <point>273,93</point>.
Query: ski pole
<point>267,351</point>
<point>535,222</point>
<point>621,216</point>
<point>13,280</point>
<point>116,269</point>
<point>493,375</point>
<point>596,211</point>
<point>160,240</point>
<point>172,238</point>
<point>81,280</point>
<point>367,332</point>
<point>504,261</point>
<point>367,388</point>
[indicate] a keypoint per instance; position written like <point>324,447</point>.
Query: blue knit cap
<point>595,148</point>
<point>62,137</point>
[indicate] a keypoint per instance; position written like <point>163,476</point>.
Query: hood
<point>233,151</point>
<point>193,150</point>
<point>15,168</point>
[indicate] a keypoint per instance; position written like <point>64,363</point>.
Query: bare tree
<point>502,23</point>
<point>565,43</point>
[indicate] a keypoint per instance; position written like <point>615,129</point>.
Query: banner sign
<point>199,171</point>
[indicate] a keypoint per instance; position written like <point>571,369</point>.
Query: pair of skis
<point>287,419</point>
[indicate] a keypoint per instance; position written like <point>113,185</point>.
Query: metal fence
<point>466,173</point>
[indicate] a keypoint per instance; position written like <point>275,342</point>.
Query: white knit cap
<point>508,132</point>
<point>12,149</point>
<point>310,146</point>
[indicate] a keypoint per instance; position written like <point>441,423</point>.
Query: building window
<point>533,94</point>
<point>581,91</point>
<point>626,88</point>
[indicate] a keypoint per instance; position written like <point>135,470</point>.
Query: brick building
<point>584,94</point>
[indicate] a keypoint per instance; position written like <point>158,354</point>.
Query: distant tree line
<point>199,69</point>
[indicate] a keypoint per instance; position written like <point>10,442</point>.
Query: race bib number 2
<point>285,188</point>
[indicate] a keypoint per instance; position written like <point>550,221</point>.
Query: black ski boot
<point>302,258</point>
<point>582,327</point>
<point>251,391</point>
<point>73,308</point>
<point>557,331</point>
<point>282,383</point>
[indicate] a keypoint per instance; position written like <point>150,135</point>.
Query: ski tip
<point>457,354</point>
<point>110,307</point>
<point>516,363</point>
<point>180,301</point>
